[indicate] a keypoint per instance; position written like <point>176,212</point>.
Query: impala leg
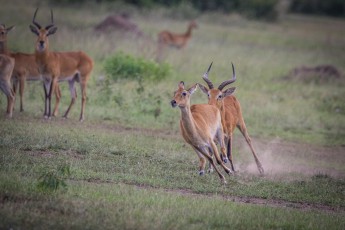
<point>83,100</point>
<point>202,162</point>
<point>21,92</point>
<point>6,88</point>
<point>243,129</point>
<point>46,87</point>
<point>14,88</point>
<point>50,99</point>
<point>10,103</point>
<point>205,153</point>
<point>57,100</point>
<point>220,138</point>
<point>210,168</point>
<point>229,151</point>
<point>73,97</point>
<point>215,151</point>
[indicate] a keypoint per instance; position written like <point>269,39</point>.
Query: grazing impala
<point>25,68</point>
<point>231,113</point>
<point>6,68</point>
<point>200,125</point>
<point>177,40</point>
<point>60,66</point>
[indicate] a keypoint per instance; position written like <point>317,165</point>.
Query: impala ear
<point>9,28</point>
<point>192,89</point>
<point>229,91</point>
<point>52,30</point>
<point>181,85</point>
<point>34,30</point>
<point>203,88</point>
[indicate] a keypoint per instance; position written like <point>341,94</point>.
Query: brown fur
<point>60,66</point>
<point>25,68</point>
<point>167,38</point>
<point>178,40</point>
<point>232,117</point>
<point>200,125</point>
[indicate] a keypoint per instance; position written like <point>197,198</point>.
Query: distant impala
<point>178,40</point>
<point>231,113</point>
<point>167,38</point>
<point>60,66</point>
<point>200,125</point>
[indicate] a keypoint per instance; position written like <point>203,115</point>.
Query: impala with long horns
<point>231,113</point>
<point>25,68</point>
<point>200,125</point>
<point>60,66</point>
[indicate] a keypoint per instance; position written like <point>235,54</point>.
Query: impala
<point>200,124</point>
<point>60,66</point>
<point>25,68</point>
<point>231,113</point>
<point>6,68</point>
<point>178,40</point>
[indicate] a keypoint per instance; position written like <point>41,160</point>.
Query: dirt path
<point>278,157</point>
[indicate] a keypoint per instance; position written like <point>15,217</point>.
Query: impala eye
<point>184,94</point>
<point>220,96</point>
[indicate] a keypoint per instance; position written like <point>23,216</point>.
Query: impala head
<point>193,25</point>
<point>4,31</point>
<point>216,96</point>
<point>182,96</point>
<point>42,42</point>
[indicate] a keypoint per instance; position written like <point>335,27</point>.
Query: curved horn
<point>52,20</point>
<point>205,77</point>
<point>34,22</point>
<point>225,83</point>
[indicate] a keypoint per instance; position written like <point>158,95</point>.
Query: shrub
<point>264,9</point>
<point>52,180</point>
<point>123,66</point>
<point>320,7</point>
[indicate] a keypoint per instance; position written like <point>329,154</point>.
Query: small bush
<point>52,180</point>
<point>264,9</point>
<point>123,66</point>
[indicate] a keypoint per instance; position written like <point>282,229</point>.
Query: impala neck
<point>188,120</point>
<point>3,48</point>
<point>189,31</point>
<point>41,57</point>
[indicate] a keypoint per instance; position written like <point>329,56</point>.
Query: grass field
<point>127,167</point>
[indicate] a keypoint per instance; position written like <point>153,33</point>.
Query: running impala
<point>177,40</point>
<point>231,113</point>
<point>200,124</point>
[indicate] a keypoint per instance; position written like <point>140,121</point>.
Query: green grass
<point>129,167</point>
<point>136,179</point>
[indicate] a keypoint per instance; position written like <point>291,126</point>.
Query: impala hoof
<point>201,172</point>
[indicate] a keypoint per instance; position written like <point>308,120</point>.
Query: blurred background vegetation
<point>267,9</point>
<point>268,41</point>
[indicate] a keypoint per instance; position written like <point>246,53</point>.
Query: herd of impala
<point>202,125</point>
